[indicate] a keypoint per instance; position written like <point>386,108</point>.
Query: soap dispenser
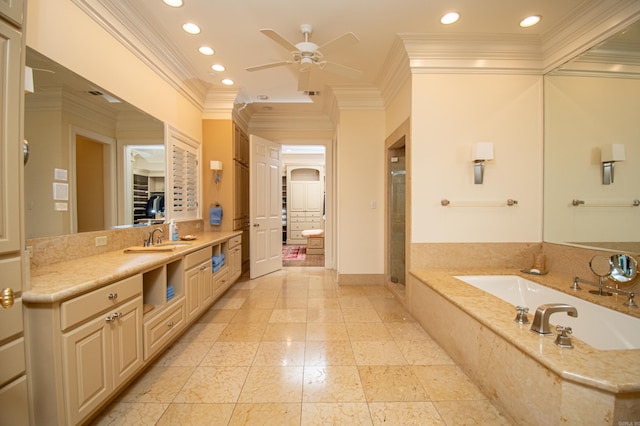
<point>173,230</point>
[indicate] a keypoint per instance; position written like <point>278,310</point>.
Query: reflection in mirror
<point>600,266</point>
<point>85,145</point>
<point>590,102</point>
<point>624,269</point>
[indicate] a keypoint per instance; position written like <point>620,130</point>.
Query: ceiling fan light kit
<point>308,56</point>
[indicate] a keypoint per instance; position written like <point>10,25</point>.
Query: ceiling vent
<point>312,92</point>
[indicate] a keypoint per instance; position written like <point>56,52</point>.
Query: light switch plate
<point>101,241</point>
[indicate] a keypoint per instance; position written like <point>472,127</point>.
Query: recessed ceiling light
<point>450,18</point>
<point>191,28</point>
<point>173,3</point>
<point>227,82</point>
<point>530,21</point>
<point>218,67</point>
<point>206,50</point>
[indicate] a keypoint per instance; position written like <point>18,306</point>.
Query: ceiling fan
<point>308,55</point>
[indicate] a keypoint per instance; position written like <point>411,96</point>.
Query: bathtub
<point>532,380</point>
<point>595,325</point>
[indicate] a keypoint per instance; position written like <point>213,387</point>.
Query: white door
<point>265,207</point>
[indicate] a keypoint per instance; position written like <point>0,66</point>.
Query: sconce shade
<point>215,165</point>
<point>483,151</point>
<point>612,152</point>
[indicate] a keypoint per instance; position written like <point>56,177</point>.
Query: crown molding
<point>357,97</point>
<point>590,26</point>
<point>481,53</point>
<point>395,71</point>
<point>137,33</point>
<point>219,104</point>
<point>292,124</point>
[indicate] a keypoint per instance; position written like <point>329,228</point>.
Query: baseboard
<point>361,279</point>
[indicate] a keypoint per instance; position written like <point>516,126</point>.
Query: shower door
<point>397,229</point>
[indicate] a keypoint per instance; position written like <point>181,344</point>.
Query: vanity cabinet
<point>84,349</point>
<point>100,355</point>
<point>164,293</point>
<point>198,280</point>
<point>235,258</point>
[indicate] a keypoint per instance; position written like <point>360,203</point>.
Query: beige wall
<point>449,114</point>
<point>398,109</point>
<point>217,146</point>
<point>60,30</point>
<point>582,114</point>
<point>360,173</point>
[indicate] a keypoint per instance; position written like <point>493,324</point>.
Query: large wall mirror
<point>95,161</point>
<point>592,106</point>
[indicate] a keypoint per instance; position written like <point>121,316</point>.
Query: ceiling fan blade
<point>270,65</point>
<point>341,70</point>
<point>344,40</point>
<point>303,80</point>
<point>279,39</point>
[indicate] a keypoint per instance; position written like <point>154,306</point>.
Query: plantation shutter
<point>185,177</point>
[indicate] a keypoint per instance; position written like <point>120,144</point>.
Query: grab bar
<point>446,203</point>
<point>579,203</point>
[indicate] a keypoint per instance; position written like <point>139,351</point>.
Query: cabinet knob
<point>170,324</point>
<point>7,298</point>
<point>113,296</point>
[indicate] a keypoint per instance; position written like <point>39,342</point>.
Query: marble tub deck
<point>519,368</point>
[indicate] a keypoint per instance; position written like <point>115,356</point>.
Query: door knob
<point>7,298</point>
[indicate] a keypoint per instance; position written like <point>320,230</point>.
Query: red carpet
<point>294,252</point>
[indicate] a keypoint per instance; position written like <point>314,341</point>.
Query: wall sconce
<point>217,166</point>
<point>609,155</point>
<point>482,152</point>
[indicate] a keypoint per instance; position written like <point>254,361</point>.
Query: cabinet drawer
<point>12,360</point>
<point>301,226</point>
<point>13,400</point>
<point>235,241</point>
<point>197,258</point>
<point>82,307</point>
<point>293,214</point>
<point>162,329</point>
<point>221,280</point>
<point>314,215</point>
<point>315,242</point>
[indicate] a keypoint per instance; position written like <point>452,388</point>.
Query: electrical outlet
<point>101,241</point>
<point>30,251</point>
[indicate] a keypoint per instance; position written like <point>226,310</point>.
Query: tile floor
<point>294,348</point>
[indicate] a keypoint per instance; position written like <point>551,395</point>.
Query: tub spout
<point>541,319</point>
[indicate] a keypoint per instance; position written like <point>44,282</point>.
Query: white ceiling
<point>233,27</point>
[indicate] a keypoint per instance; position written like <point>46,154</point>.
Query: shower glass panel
<point>397,192</point>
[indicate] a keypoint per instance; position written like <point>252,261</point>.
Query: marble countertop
<point>614,371</point>
<point>60,281</point>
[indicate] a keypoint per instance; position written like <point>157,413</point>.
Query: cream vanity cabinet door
<point>235,258</point>
<point>12,10</point>
<point>198,280</point>
<point>100,355</point>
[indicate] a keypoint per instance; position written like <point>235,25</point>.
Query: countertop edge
<point>64,280</point>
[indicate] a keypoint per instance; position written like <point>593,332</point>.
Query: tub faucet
<point>541,319</point>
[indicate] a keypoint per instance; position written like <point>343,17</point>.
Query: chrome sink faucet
<point>149,242</point>
<point>541,319</point>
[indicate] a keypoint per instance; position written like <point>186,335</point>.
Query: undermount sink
<point>162,247</point>
<point>173,244</point>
